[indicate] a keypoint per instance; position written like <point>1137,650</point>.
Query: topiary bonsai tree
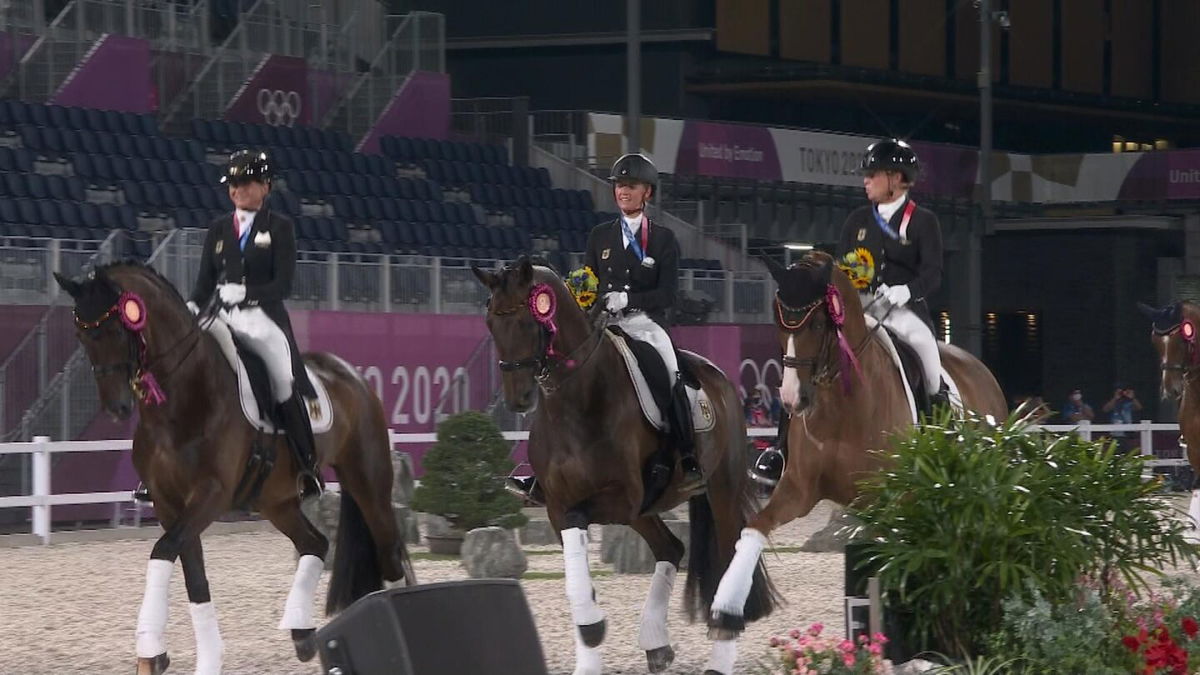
<point>464,473</point>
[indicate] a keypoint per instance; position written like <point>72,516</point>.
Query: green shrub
<point>967,514</point>
<point>464,471</point>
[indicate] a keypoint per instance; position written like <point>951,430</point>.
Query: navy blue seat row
<point>16,159</point>
<point>320,228</point>
<point>503,196</point>
<point>331,160</point>
<point>170,195</point>
<point>67,213</point>
<point>416,235</point>
<point>553,221</point>
<point>195,218</point>
<point>324,183</point>
<point>49,140</point>
<point>466,173</point>
<point>387,208</point>
<point>105,169</point>
<point>230,135</point>
<point>14,113</point>
<point>572,240</point>
<point>699,264</point>
<point>37,186</point>
<point>413,150</point>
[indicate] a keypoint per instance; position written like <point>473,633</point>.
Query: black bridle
<point>1189,368</point>
<point>541,361</point>
<point>823,368</point>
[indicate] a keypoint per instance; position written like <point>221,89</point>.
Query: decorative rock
<point>833,537</point>
<point>402,484</point>
<point>629,553</point>
<point>434,525</point>
<point>537,533</point>
<point>914,666</point>
<point>491,553</point>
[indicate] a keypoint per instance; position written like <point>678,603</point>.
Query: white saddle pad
<point>886,338</point>
<point>703,418</point>
<point>320,412</point>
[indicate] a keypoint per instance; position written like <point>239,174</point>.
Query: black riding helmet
<point>892,154</point>
<point>245,166</point>
<point>635,167</point>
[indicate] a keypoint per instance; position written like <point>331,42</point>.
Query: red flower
<point>1190,626</point>
<point>1131,643</point>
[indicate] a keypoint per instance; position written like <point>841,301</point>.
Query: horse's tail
<point>706,566</point>
<point>355,561</point>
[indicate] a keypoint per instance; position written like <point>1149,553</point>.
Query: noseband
<point>792,319</point>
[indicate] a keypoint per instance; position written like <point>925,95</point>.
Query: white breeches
<point>254,328</point>
<point>915,333</point>
<point>642,327</point>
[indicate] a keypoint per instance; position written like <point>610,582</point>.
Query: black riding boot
<point>296,424</point>
<point>940,399</point>
<point>768,468</point>
<point>685,438</point>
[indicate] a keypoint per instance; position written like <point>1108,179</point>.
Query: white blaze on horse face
<point>789,390</point>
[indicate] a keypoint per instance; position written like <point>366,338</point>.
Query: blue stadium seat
<point>170,196</point>
<point>152,194</point>
<point>120,167</point>
<point>30,137</point>
<point>345,184</point>
<point>113,122</point>
<point>15,185</point>
<point>252,135</point>
<point>405,210</point>
<point>27,211</point>
<point>102,171</point>
<point>147,124</point>
<point>70,213</point>
<point>77,118</point>
<point>391,211</point>
<point>125,145</point>
<point>269,135</point>
<point>37,114</point>
<point>133,192</point>
<point>139,170</point>
<point>143,146</point>
<point>18,111</point>
<point>8,211</point>
<point>89,214</point>
<point>47,212</point>
<point>237,133</point>
<point>327,183</point>
<point>161,147</point>
<point>202,130</point>
<point>54,187</point>
<point>186,196</point>
<point>56,116</point>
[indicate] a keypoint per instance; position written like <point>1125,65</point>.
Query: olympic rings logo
<point>279,108</point>
<point>761,382</point>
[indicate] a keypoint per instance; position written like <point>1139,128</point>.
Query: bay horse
<point>1173,332</point>
<point>857,401</point>
<point>588,443</point>
<point>192,445</point>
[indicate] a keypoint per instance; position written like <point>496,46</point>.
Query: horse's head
<point>811,304</point>
<point>524,304</point>
<point>1173,332</point>
<point>111,322</point>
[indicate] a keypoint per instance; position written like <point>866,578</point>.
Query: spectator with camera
<point>1122,406</point>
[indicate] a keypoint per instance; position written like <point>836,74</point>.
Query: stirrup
<point>693,480</point>
<point>526,488</point>
<point>142,494</point>
<point>309,485</point>
<point>758,472</point>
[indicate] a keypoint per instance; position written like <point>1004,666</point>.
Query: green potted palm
<point>463,480</point>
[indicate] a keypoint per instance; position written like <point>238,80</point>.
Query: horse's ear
<point>773,267</point>
<point>67,284</point>
<point>524,272</point>
<point>489,279</point>
<point>1148,310</point>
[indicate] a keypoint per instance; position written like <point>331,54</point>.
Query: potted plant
<point>463,480</point>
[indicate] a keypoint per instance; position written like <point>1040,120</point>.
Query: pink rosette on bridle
<point>543,304</point>
<point>1187,331</point>
<point>837,314</point>
<point>132,311</point>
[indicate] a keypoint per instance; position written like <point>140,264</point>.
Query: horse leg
<point>210,648</point>
<point>667,549</point>
<point>201,509</point>
<point>581,595</point>
<point>312,546</point>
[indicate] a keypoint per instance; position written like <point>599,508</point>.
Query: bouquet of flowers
<point>583,285</point>
<point>859,265</point>
<point>809,653</point>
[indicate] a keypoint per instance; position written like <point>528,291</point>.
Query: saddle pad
<point>320,415</point>
<point>703,418</point>
<point>885,337</point>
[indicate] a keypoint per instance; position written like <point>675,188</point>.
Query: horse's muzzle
<point>120,410</point>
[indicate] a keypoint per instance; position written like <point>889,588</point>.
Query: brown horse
<point>192,445</point>
<point>588,444</point>
<point>1173,333</point>
<point>858,399</point>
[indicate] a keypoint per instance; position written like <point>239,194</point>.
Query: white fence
<point>43,498</point>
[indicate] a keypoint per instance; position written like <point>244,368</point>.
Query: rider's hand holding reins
<point>616,301</point>
<point>232,294</point>
<point>897,296</point>
<point>193,308</point>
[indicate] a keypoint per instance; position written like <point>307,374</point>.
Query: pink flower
<point>848,659</point>
<point>815,629</point>
<point>880,638</point>
<point>875,649</point>
<point>846,646</point>
<point>795,633</point>
<point>774,642</point>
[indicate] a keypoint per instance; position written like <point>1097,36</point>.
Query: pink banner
<point>115,75</point>
<point>735,151</point>
<point>420,109</point>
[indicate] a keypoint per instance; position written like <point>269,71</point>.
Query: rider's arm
<point>283,246</point>
<point>663,296</point>
<point>206,280</point>
<point>929,274</point>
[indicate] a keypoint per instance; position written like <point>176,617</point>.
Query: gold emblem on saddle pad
<point>314,409</point>
<point>604,253</point>
<point>862,233</point>
<point>219,247</point>
<point>706,411</point>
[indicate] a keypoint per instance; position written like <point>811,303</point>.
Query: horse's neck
<point>1189,411</point>
<point>833,405</point>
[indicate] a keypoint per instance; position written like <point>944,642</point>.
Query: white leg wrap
<point>1193,534</point>
<point>735,583</point>
<point>210,649</point>
<point>152,618</point>
<point>654,614</point>
<point>584,609</point>
<point>587,659</point>
<point>298,610</point>
<point>724,655</point>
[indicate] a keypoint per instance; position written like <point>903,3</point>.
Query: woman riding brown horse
<point>1174,336</point>
<point>858,399</point>
<point>192,447</point>
<point>588,444</point>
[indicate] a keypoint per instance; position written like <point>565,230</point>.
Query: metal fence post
<point>334,293</point>
<point>1146,437</point>
<point>41,488</point>
<point>435,284</point>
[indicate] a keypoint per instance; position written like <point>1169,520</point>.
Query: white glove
<point>616,301</point>
<point>193,308</point>
<point>898,296</point>
<point>232,294</point>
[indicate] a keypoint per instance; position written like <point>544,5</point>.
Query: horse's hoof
<point>153,666</point>
<point>593,634</point>
<point>305,641</point>
<point>659,659</point>
<point>722,626</point>
<point>712,672</point>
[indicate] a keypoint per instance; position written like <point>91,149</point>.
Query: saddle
<point>905,358</point>
<point>254,386</point>
<point>653,386</point>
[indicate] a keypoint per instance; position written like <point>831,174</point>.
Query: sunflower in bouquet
<point>859,265</point>
<point>584,285</point>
